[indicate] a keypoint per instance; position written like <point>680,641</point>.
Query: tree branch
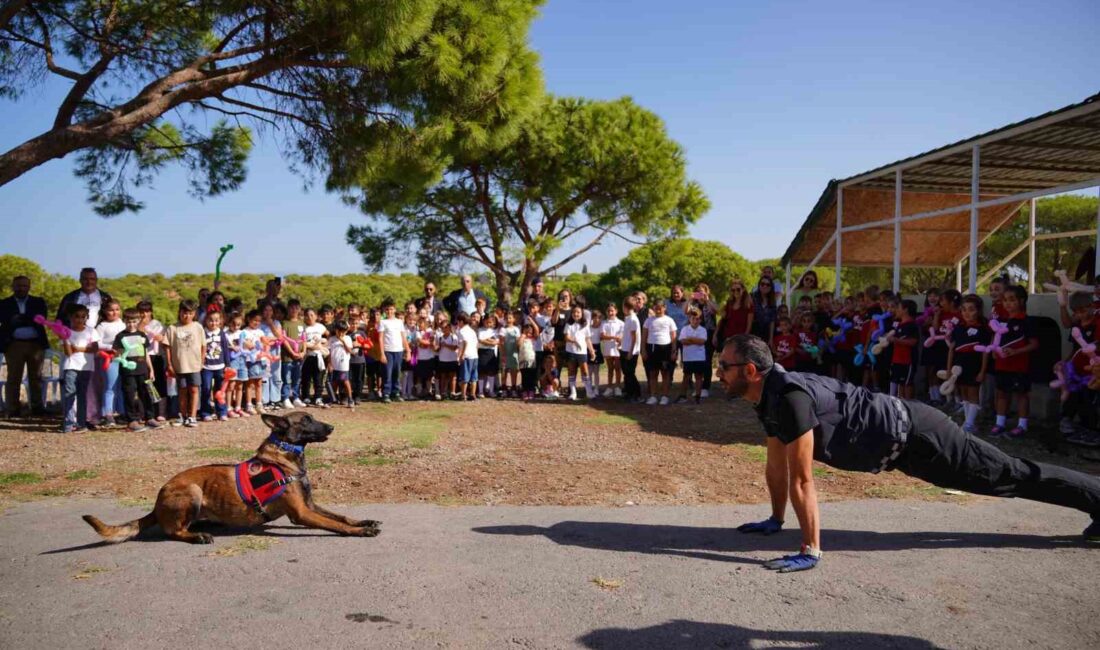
<point>68,107</point>
<point>272,111</point>
<point>580,251</point>
<point>9,10</point>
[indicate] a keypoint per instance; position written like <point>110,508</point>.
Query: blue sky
<point>769,99</point>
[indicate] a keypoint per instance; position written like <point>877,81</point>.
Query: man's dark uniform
<point>857,430</point>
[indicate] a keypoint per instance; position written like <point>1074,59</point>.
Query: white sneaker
<point>664,401</point>
<point>609,392</point>
<point>618,392</point>
<point>299,404</point>
<point>287,404</point>
<point>704,393</point>
<point>318,402</point>
<point>573,393</point>
<point>652,400</point>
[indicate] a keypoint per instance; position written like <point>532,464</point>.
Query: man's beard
<point>736,388</point>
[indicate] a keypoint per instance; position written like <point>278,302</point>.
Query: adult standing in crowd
<point>429,301</point>
<point>765,307</point>
<point>272,290</point>
<point>677,307</point>
<point>88,295</point>
<point>463,300</point>
<point>702,300</point>
<point>737,315</point>
<point>807,286</point>
<point>768,273</point>
<point>23,344</point>
<point>537,291</point>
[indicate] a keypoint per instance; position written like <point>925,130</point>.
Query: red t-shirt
<point>784,346</point>
<point>736,320</point>
<point>999,312</point>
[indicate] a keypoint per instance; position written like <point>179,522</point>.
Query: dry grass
<point>244,544</point>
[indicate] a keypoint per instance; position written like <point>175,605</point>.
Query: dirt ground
<point>602,452</point>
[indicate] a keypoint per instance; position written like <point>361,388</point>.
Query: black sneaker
<point>386,400</point>
<point>1092,533</point>
<point>681,399</point>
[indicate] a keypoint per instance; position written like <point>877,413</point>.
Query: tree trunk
<point>51,145</point>
<point>504,288</point>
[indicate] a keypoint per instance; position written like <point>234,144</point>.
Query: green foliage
<point>579,169</point>
<point>655,267</point>
<point>1064,213</point>
<point>356,89</point>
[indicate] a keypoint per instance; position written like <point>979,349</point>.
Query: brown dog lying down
<point>271,484</point>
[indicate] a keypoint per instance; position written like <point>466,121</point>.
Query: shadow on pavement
<point>691,635</point>
<point>154,534</point>
<point>722,544</point>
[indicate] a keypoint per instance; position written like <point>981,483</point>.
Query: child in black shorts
<point>971,332</point>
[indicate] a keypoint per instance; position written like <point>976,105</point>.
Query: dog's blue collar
<point>286,446</point>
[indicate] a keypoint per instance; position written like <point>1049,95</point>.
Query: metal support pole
<point>897,231</point>
<point>959,276</point>
<point>1096,267</point>
<point>1031,247</point>
<point>839,225</point>
<point>975,197</point>
<point>788,287</point>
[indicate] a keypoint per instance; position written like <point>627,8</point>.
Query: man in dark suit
<point>23,344</point>
<point>430,301</point>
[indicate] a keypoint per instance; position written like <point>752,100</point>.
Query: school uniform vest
<point>858,430</point>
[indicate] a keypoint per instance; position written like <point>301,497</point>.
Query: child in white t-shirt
<point>595,324</point>
<point>76,370</point>
<point>450,344</point>
<point>579,351</point>
<point>110,325</point>
<point>611,335</point>
<point>339,347</point>
<point>313,368</point>
<point>659,353</point>
<point>693,340</point>
<point>488,355</point>
<point>467,359</point>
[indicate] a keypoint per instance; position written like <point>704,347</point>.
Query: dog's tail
<point>127,531</point>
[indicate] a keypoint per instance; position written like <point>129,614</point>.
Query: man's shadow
<point>691,635</point>
<point>723,544</point>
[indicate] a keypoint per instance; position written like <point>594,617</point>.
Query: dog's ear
<point>275,422</point>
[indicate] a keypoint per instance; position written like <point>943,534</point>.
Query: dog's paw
<point>368,523</point>
<point>367,531</point>
<point>203,538</point>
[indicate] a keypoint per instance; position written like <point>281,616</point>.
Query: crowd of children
<point>879,340</point>
<point>220,361</point>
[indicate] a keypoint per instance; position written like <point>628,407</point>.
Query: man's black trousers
<point>940,452</point>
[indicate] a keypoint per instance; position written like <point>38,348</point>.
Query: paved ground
<point>897,574</point>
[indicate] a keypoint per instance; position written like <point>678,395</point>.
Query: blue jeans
<point>467,371</point>
<point>292,376</point>
<point>212,382</point>
<point>74,397</point>
<point>273,386</point>
<point>390,385</point>
<point>112,402</point>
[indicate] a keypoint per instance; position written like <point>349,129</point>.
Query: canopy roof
<point>1054,152</point>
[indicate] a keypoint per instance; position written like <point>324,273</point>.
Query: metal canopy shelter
<point>936,208</point>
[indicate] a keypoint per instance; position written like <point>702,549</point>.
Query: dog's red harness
<point>260,483</point>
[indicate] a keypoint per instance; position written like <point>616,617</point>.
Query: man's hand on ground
<point>769,526</point>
